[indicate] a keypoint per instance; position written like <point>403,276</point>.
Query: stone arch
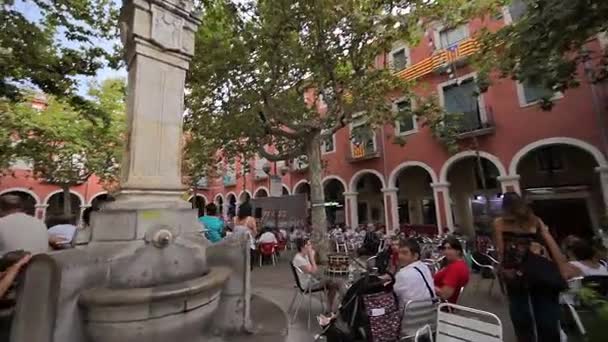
<point>355,178</point>
<point>298,184</point>
<point>24,190</point>
<point>392,179</point>
<point>285,187</point>
<point>261,188</point>
<point>101,193</point>
<point>218,196</point>
<point>238,199</point>
<point>338,178</point>
<point>594,151</point>
<point>443,175</point>
<point>199,195</point>
<point>46,199</point>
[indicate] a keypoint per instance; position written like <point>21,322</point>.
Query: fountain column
<point>158,36</point>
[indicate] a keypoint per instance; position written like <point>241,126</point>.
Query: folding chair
<point>460,323</point>
<point>300,293</point>
<point>418,314</point>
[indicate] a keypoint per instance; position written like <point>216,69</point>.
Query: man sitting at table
<point>414,280</point>
<point>305,261</point>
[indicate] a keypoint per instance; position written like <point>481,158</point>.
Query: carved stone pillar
<point>159,43</point>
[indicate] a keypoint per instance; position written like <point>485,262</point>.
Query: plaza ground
<point>276,284</point>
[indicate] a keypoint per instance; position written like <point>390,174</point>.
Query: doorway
<point>565,216</point>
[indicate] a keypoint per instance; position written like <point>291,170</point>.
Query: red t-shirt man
<point>454,275</point>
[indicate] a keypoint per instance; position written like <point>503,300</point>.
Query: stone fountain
<point>147,274</point>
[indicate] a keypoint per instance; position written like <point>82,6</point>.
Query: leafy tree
<point>49,43</point>
<point>547,44</point>
<point>276,77</point>
<point>63,147</point>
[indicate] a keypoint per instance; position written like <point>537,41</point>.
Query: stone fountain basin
<point>159,313</point>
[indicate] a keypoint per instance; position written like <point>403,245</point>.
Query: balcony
<point>439,59</point>
<point>229,180</point>
<point>361,152</point>
<point>474,125</point>
<point>202,183</point>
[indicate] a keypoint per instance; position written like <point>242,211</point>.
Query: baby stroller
<point>369,312</point>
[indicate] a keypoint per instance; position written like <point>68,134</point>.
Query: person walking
<point>533,269</point>
<point>244,223</point>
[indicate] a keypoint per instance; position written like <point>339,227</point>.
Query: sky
<point>30,11</point>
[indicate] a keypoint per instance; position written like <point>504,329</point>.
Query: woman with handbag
<point>533,269</point>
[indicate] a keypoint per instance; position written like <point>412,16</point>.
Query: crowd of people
<point>536,272</point>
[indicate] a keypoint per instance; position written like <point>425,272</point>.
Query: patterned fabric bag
<point>384,316</point>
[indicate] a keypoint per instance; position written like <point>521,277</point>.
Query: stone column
<point>603,172</point>
<point>391,210</point>
<point>350,199</point>
<point>443,207</point>
<point>82,209</point>
<point>159,43</point>
<point>509,183</point>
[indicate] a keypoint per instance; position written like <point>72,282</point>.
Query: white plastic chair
<point>460,323</point>
<point>487,267</point>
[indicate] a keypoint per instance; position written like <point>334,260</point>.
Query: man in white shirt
<point>267,237</point>
<point>414,281</point>
<point>19,230</point>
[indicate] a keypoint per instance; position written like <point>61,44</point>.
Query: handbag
<point>542,274</point>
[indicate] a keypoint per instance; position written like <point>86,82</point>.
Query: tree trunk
<point>317,198</point>
<point>67,200</point>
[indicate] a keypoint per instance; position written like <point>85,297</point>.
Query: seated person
<point>455,275</point>
<point>63,228</point>
<point>267,236</point>
<point>212,223</point>
<point>305,261</point>
<point>587,261</point>
<point>414,280</point>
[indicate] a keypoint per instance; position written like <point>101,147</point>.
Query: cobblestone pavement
<point>276,283</point>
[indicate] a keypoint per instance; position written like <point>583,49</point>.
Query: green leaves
<point>48,43</point>
<point>63,146</point>
<point>548,44</point>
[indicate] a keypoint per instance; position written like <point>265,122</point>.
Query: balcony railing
<point>363,151</point>
<point>473,125</point>
<point>229,180</point>
<point>439,59</point>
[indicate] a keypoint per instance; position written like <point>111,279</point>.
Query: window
<point>517,9</point>
<point>259,168</point>
<point>230,175</point>
<point>429,214</point>
<point>404,211</point>
<point>399,59</point>
<point>406,123</point>
<point>300,163</point>
<point>329,144</point>
<point>530,93</point>
<point>549,159</point>
<point>363,139</point>
<point>461,97</point>
<point>451,37</point>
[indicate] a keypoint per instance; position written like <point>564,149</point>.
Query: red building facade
<point>558,158</point>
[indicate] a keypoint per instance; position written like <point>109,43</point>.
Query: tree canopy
<point>546,44</point>
<point>62,146</point>
<point>48,44</point>
<point>276,77</point>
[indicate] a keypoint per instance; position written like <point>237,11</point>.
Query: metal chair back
<point>417,314</point>
<point>460,323</point>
